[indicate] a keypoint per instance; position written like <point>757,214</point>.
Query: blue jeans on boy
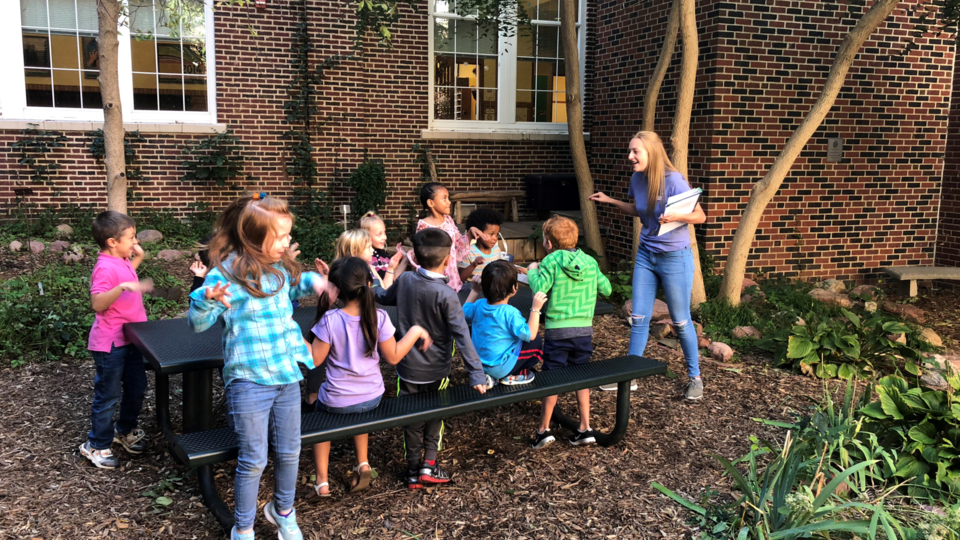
<point>674,271</point>
<point>258,412</point>
<point>120,379</point>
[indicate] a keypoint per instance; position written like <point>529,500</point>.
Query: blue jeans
<point>120,379</point>
<point>258,412</point>
<point>674,271</point>
<point>366,406</point>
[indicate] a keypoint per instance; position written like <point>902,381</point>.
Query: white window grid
<point>13,102</point>
<point>506,79</point>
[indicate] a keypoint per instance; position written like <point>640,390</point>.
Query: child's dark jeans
<point>120,379</point>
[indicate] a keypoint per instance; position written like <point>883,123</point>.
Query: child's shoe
<point>234,535</point>
<point>413,479</point>
<point>580,438</point>
<point>694,390</point>
<point>490,381</point>
<point>431,473</point>
<point>287,528</point>
<point>103,459</point>
<point>541,439</point>
<point>134,442</point>
<point>524,377</point>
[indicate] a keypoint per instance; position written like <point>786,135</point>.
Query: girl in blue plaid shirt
<point>252,283</point>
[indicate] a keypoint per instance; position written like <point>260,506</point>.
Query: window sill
<point>57,125</point>
<point>493,135</point>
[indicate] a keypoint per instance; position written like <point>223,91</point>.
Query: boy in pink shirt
<point>117,298</point>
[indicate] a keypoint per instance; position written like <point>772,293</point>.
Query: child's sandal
<point>364,478</point>
<point>316,495</point>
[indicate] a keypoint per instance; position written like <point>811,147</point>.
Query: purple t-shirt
<point>674,240</point>
<point>353,376</point>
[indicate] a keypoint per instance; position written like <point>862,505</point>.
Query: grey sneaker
<point>490,382</point>
<point>612,387</point>
<point>134,442</point>
<point>694,389</point>
<point>287,528</point>
<point>103,459</point>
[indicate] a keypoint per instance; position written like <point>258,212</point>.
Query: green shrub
<point>28,221</point>
<point>215,159</point>
<point>315,228</point>
<point>369,182</point>
<point>177,232</point>
<point>719,317</point>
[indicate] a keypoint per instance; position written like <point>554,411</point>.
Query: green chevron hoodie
<point>572,280</point>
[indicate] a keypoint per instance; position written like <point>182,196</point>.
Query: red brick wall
<point>376,106</point>
<point>948,237</point>
<point>762,66</point>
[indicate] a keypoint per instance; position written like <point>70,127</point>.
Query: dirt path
<point>503,488</point>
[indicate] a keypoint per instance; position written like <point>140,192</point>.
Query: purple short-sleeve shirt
<point>353,376</point>
<point>674,240</point>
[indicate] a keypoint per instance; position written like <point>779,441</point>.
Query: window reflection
<point>541,95</point>
<point>465,70</point>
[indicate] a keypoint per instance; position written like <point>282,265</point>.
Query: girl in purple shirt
<point>348,339</point>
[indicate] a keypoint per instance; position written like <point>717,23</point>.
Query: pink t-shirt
<point>107,328</point>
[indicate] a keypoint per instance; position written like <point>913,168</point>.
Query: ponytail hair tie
<point>260,196</point>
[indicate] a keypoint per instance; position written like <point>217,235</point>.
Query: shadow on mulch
<point>502,489</point>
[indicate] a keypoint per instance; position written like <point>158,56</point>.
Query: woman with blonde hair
<point>665,260</point>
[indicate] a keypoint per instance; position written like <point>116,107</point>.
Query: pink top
<point>458,250</point>
<point>107,328</point>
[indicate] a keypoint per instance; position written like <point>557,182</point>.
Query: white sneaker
<point>612,387</point>
<point>103,459</point>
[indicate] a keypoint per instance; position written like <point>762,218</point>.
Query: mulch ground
<point>502,489</point>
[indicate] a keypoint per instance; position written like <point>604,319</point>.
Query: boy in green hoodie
<point>575,279</point>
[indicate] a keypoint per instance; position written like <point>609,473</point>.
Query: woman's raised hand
<point>601,197</point>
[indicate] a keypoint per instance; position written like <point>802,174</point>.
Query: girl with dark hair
<point>436,213</point>
<point>348,339</point>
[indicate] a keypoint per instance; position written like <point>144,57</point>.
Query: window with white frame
<point>506,82</point>
<point>165,59</point>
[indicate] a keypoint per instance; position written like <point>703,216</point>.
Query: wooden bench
<point>509,198</point>
<point>909,275</point>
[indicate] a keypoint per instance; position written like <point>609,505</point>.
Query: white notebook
<point>681,203</point>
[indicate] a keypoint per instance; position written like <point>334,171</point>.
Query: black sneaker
<point>413,479</point>
<point>580,438</point>
<point>541,439</point>
<point>431,473</point>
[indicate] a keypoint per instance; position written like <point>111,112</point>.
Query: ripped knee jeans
<point>674,272</point>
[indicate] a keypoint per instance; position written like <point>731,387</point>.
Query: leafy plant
<point>719,317</point>
<point>99,151</point>
<point>34,145</point>
<point>213,159</point>
<point>620,283</point>
<point>315,228</point>
<point>369,181</point>
<point>176,231</point>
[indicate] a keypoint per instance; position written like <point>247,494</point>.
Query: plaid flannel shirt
<point>261,341</point>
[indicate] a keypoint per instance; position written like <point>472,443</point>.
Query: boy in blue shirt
<point>508,346</point>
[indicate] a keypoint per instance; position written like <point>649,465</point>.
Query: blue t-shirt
<point>674,240</point>
<point>498,333</point>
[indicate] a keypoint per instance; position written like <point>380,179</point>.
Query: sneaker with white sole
<point>134,442</point>
<point>287,528</point>
<point>612,387</point>
<point>694,390</point>
<point>541,439</point>
<point>581,438</point>
<point>489,381</point>
<point>103,459</point>
<point>524,377</point>
<point>234,535</point>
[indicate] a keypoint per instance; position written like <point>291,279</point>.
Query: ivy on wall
<point>34,147</point>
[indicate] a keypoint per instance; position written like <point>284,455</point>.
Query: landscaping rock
<point>720,352</point>
<point>64,230</point>
<point>703,342</point>
<point>149,236</point>
<point>170,255</point>
<point>15,246</point>
<point>934,380</point>
<point>931,337</point>
<point>942,362</point>
<point>660,330</point>
<point>71,257</point>
<point>37,247</point>
<point>748,283</point>
<point>627,310</point>
<point>59,246</point>
<point>906,311</point>
<point>865,290</point>
<point>186,253</point>
<point>699,328</point>
<point>660,310</point>
<point>830,297</point>
<point>746,332</point>
<point>899,338</point>
<point>870,307</point>
<point>833,285</point>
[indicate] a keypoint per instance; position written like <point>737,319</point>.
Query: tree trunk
<point>766,188</point>
<point>653,91</point>
<point>680,139</point>
<point>568,36</point>
<point>108,12</point>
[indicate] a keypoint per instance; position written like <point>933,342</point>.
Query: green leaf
<point>925,433</point>
<point>858,527</point>
<point>889,405</point>
<point>846,372</point>
<point>911,368</point>
<point>909,467</point>
<point>679,500</point>
<point>929,454</point>
<point>874,410</point>
<point>799,347</point>
<point>852,317</point>
<point>163,501</point>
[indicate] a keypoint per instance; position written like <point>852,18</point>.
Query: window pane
<point>39,88</point>
<point>466,104</point>
<point>443,35</point>
<point>560,107</point>
<point>33,13</point>
<point>91,90</point>
<point>141,17</point>
<point>443,103</point>
<point>90,55</point>
<point>65,51</point>
<point>166,17</point>
<point>192,20</point>
<point>194,57</point>
<point>545,72</point>
<point>66,88</point>
<point>63,14</point>
<point>488,105</point>
<point>487,39</point>
<point>488,76</point>
<point>36,50</point>
<point>144,54</point>
<point>443,71</point>
<point>524,75</point>
<point>169,57</point>
<point>524,111</point>
<point>525,41</point>
<point>443,6</point>
<point>549,10</point>
<point>530,6</point>
<point>171,93</point>
<point>466,72</point>
<point>544,107</point>
<point>466,37</point>
<point>195,93</point>
<point>547,41</point>
<point>87,18</point>
<point>145,92</point>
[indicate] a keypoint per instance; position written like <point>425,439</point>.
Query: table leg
<point>198,416</point>
<point>211,498</point>
<point>162,384</point>
<point>619,427</point>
